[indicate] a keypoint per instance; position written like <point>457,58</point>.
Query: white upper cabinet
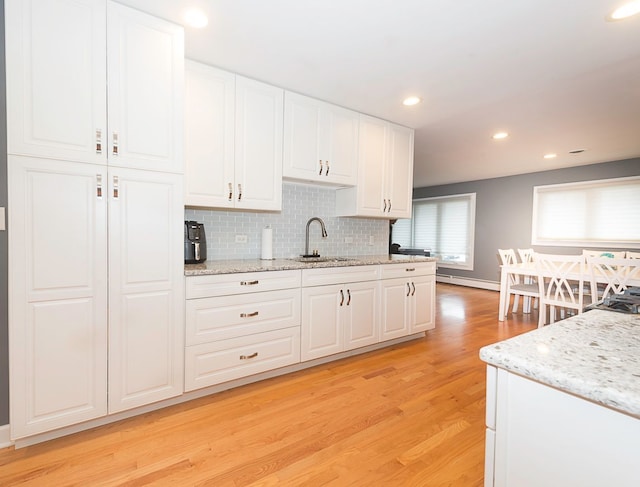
<point>233,141</point>
<point>61,58</point>
<point>385,172</point>
<point>146,83</point>
<point>209,135</point>
<point>320,141</point>
<point>56,79</point>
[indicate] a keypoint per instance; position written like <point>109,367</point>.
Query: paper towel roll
<point>267,243</point>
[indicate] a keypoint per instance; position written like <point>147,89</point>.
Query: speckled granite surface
<point>211,267</point>
<point>595,355</point>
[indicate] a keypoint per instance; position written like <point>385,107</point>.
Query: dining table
<point>528,269</point>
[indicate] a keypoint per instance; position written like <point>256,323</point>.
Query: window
<point>443,225</point>
<point>588,214</point>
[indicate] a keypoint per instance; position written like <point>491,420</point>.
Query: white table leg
<point>503,293</point>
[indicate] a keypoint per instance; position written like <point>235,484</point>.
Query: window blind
<point>589,214</point>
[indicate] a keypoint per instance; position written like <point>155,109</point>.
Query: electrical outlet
<point>371,240</point>
<point>348,240</point>
<point>241,239</point>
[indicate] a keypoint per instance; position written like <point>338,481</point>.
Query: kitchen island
<point>563,404</point>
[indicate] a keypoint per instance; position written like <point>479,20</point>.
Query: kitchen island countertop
<point>594,355</point>
<point>212,267</point>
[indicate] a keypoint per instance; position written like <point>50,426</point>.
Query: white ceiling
<point>554,74</point>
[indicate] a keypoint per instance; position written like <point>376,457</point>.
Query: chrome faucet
<point>306,241</point>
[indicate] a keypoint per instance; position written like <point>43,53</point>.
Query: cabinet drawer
<point>223,317</point>
<point>213,363</point>
<point>408,269</point>
<point>339,275</point>
<point>241,283</point>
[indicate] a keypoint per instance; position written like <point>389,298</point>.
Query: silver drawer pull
<point>248,315</point>
<point>248,283</point>
<point>410,269</point>
<point>247,357</point>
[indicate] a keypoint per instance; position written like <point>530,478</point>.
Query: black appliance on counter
<point>627,302</point>
<point>195,243</point>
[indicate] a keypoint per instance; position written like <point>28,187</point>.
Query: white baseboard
<point>5,436</point>
<point>469,282</point>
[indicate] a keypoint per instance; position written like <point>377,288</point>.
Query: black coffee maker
<point>195,243</point>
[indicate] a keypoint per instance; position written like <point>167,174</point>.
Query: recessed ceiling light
<point>411,100</point>
<point>500,135</point>
<point>625,11</point>
<point>196,18</point>
<point>550,156</point>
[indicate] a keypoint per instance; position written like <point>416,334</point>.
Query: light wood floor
<point>410,415</point>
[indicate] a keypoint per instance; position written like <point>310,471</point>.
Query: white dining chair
<point>515,287</point>
<point>632,255</point>
<point>526,257</point>
<point>561,284</point>
<point>612,276</point>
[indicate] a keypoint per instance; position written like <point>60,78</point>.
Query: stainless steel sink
<point>311,260</point>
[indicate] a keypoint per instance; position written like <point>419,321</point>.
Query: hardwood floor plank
<point>408,415</point>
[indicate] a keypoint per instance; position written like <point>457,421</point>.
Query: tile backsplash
<point>346,236</point>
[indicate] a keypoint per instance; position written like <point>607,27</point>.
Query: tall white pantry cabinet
<point>94,112</point>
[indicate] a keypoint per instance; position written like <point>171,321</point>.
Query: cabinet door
<point>56,72</point>
<point>146,297</point>
<point>360,314</point>
<point>146,89</point>
<point>302,118</point>
<point>322,331</point>
<point>209,129</point>
<point>395,309</point>
<point>258,145</point>
<point>422,303</point>
<point>372,156</point>
<point>399,171</point>
<point>340,150</point>
<point>57,294</point>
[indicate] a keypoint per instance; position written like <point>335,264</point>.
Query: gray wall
<point>504,207</point>
<point>4,347</point>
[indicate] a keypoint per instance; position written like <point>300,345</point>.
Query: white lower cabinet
<point>67,263</point>
<point>407,293</point>
<point>239,325</point>
<point>340,316</point>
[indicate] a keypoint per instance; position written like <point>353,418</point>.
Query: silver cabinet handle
<point>248,315</point>
<point>389,205</point>
<point>116,191</point>
<point>385,206</point>
<point>341,297</point>
<point>348,300</point>
<point>99,185</point>
<point>413,292</point>
<point>326,163</point>
<point>247,357</point>
<point>410,269</point>
<point>239,191</point>
<point>98,141</point>
<point>115,143</point>
<point>248,283</point>
<point>320,173</point>
<point>408,289</point>
<point>230,191</point>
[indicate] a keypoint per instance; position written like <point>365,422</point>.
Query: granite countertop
<point>212,267</point>
<point>594,355</point>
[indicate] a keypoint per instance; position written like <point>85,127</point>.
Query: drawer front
<point>407,270</point>
<point>339,275</point>
<point>217,362</point>
<point>240,283</point>
<point>223,317</point>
